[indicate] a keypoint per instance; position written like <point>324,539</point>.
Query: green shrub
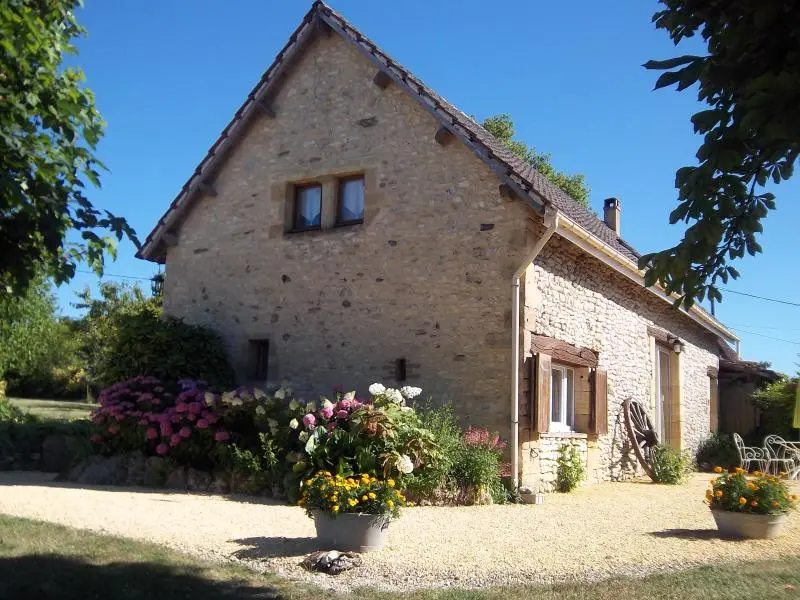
<point>163,347</point>
<point>13,414</point>
<point>21,441</point>
<point>670,466</point>
<point>717,450</point>
<point>438,481</point>
<point>468,466</point>
<point>569,468</point>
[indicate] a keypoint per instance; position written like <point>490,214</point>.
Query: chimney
<point>612,208</point>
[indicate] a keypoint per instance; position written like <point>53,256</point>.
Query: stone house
<point>350,225</point>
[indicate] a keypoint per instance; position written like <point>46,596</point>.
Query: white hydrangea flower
<point>376,389</point>
<point>293,404</point>
<point>410,392</point>
<point>227,397</point>
<point>294,423</point>
<point>260,410</point>
<point>303,436</point>
<point>326,403</point>
<point>311,407</point>
<point>259,393</point>
<point>210,399</point>
<point>405,465</point>
<point>280,394</point>
<point>349,396</point>
<point>393,395</point>
<point>273,424</point>
<point>236,402</point>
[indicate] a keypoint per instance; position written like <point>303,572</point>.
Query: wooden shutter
<point>540,416</point>
<point>582,393</point>
<point>599,419</point>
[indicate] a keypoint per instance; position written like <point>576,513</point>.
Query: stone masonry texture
<point>425,278</point>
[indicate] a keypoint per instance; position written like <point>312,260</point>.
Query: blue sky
<point>169,75</point>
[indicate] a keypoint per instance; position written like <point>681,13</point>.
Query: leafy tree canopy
<point>49,128</point>
<point>33,338</point>
<point>502,127</point>
<point>750,80</point>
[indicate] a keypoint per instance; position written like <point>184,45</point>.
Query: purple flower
<point>166,428</point>
<point>174,440</point>
<point>326,412</point>
<point>202,424</point>
<point>162,448</point>
<point>222,436</point>
<point>309,421</point>
<point>185,432</point>
<point>151,433</point>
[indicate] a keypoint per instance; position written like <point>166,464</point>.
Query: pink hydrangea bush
<point>140,414</point>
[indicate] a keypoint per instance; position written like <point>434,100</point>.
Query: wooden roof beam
<point>206,188</point>
<point>443,136</point>
<point>382,80</point>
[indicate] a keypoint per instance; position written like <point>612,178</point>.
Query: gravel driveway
<point>606,529</point>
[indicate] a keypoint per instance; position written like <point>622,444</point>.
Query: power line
<point>766,336</point>
<point>762,297</point>
<point>764,327</point>
<point>113,275</point>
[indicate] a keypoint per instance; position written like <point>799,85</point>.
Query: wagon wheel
<point>641,434</point>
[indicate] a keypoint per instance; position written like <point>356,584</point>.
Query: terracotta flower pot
<point>351,532</point>
<point>747,525</point>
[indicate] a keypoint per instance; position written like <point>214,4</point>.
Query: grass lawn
<point>54,410</point>
<point>42,560</point>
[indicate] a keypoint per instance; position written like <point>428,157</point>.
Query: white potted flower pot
<point>351,532</point>
<point>747,525</point>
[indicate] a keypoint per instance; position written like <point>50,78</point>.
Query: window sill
<point>324,230</point>
<point>565,434</point>
<point>348,223</point>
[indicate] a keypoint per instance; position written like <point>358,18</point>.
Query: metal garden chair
<point>782,456</point>
<point>750,454</point>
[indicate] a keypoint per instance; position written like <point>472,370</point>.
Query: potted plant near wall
<point>351,513</point>
<point>749,507</point>
<point>355,461</point>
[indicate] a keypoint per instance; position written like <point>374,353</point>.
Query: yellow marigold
<point>352,502</point>
<point>307,482</point>
<point>364,498</point>
<point>756,473</point>
<point>411,504</point>
<point>718,493</point>
<point>794,497</point>
<point>717,469</point>
<point>372,495</point>
<point>739,470</point>
<point>742,500</point>
<point>753,503</point>
<point>775,504</point>
<point>709,495</point>
<point>390,483</point>
<point>335,508</point>
<point>389,504</point>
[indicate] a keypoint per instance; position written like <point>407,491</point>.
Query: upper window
<point>351,201</point>
<point>562,399</point>
<point>307,207</point>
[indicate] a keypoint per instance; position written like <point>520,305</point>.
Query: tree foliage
<point>34,341</point>
<point>750,80</point>
<point>502,127</point>
<point>49,128</point>
<point>125,334</point>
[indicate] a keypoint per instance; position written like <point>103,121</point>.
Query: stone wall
<point>425,278</point>
<point>541,459</point>
<point>573,297</point>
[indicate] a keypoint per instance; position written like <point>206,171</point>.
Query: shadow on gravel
<point>275,547</point>
<point>687,534</point>
<point>46,577</point>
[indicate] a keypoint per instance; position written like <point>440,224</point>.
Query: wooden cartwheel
<point>641,434</point>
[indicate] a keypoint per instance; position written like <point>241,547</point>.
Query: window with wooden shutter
<point>598,423</point>
<point>540,421</point>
